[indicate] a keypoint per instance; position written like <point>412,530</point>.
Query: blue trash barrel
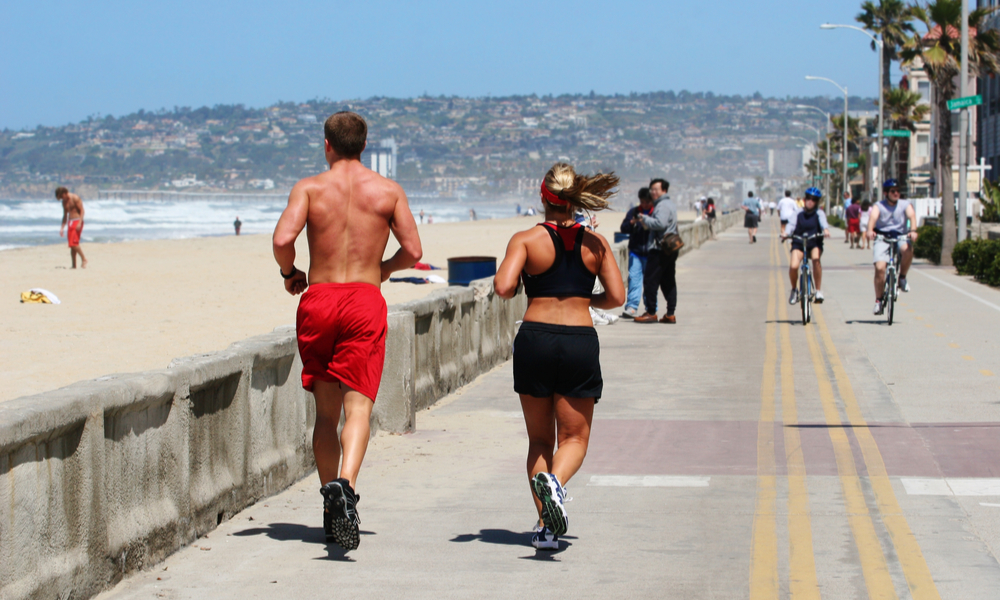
<point>620,237</point>
<point>463,269</point>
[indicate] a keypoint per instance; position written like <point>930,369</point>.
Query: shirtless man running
<point>348,212</point>
<point>72,223</point>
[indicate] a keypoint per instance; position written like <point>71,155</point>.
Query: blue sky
<point>61,61</point>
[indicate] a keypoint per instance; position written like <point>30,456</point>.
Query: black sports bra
<point>568,276</point>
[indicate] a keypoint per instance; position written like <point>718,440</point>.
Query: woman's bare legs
<point>553,420</point>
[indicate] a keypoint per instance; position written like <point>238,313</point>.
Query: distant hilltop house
<point>261,184</point>
<point>186,182</point>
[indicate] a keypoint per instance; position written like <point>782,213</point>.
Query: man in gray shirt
<point>661,267</point>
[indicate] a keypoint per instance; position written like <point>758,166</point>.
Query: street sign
<point>817,179</point>
<point>852,165</point>
<point>896,133</point>
<point>829,172</point>
<point>965,102</point>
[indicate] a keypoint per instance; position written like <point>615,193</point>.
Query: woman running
<point>557,370</point>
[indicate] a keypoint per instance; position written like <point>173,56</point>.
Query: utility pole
<point>963,141</point>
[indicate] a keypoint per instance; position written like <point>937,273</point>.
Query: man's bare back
<point>350,211</point>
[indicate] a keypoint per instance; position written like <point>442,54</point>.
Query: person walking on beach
<point>637,237</point>
<point>237,224</point>
<point>557,370</point>
<point>751,219</point>
<point>341,320</point>
<point>72,223</point>
<point>661,264</point>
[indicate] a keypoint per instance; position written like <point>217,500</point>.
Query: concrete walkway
<point>736,454</point>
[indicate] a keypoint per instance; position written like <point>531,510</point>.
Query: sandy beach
<point>141,304</point>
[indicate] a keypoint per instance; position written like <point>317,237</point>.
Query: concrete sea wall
<point>105,477</point>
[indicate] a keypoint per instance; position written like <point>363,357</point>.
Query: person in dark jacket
<point>637,241</point>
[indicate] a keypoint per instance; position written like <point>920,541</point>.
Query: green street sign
<point>965,102</point>
<point>829,172</point>
<point>896,133</point>
<point>817,179</point>
<point>852,165</point>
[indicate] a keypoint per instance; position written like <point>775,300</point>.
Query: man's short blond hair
<point>347,132</point>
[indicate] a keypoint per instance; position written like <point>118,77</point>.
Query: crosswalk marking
<point>649,481</point>
<point>951,486</point>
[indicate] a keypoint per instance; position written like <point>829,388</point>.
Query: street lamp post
<point>881,102</point>
<point>826,176</point>
<point>846,120</point>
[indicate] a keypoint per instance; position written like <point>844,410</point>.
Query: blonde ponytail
<point>589,193</point>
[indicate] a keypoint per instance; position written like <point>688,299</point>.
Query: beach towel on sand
<point>39,296</point>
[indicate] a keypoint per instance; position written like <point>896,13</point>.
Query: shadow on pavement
<point>787,322</point>
<point>512,538</point>
<point>872,322</point>
<point>285,532</point>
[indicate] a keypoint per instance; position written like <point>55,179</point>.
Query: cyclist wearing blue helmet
<point>811,220</point>
<point>895,220</point>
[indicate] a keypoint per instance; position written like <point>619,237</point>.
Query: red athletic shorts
<point>854,225</point>
<point>341,330</point>
<point>73,230</point>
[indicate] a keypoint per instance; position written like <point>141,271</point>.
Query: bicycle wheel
<point>890,294</point>
<point>804,294</point>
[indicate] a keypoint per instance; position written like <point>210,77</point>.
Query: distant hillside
<point>468,146</point>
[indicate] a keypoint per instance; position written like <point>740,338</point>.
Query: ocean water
<point>36,222</point>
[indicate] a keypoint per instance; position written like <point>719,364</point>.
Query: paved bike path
<point>736,454</point>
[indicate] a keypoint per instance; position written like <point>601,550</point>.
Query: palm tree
<point>940,51</point>
<point>904,109</point>
<point>890,20</point>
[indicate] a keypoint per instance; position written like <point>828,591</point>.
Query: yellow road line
<point>803,583</point>
<point>986,372</point>
<point>764,562</point>
<point>873,565</point>
<point>918,575</point>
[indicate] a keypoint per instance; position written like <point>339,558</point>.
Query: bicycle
<point>806,286</point>
<point>890,290</point>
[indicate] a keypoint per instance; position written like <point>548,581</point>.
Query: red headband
<point>552,198</point>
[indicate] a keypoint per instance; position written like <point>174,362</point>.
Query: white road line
<point>649,480</point>
<point>989,504</point>
<point>953,486</point>
<point>959,290</point>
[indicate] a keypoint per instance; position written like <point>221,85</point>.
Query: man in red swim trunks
<point>853,215</point>
<point>341,321</point>
<point>72,223</point>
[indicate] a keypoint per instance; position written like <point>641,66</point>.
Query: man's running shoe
<point>878,308</point>
<point>793,298</point>
<point>552,496</point>
<point>818,298</point>
<point>543,539</point>
<point>630,313</point>
<point>341,504</point>
<point>904,285</point>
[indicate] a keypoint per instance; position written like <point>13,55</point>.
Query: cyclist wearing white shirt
<point>889,219</point>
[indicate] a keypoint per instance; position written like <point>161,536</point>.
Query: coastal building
<point>988,113</point>
<point>381,158</point>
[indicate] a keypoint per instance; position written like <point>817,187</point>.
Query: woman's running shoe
<point>818,298</point>
<point>552,496</point>
<point>340,517</point>
<point>543,539</point>
<point>793,297</point>
<point>878,308</point>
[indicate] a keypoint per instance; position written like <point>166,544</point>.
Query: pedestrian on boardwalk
<point>866,211</point>
<point>557,371</point>
<point>709,214</point>
<point>853,216</point>
<point>341,321</point>
<point>72,222</point>
<point>787,207</point>
<point>751,218</point>
<point>661,263</point>
<point>237,224</point>
<point>843,215</point>
<point>636,252</point>
<point>771,206</point>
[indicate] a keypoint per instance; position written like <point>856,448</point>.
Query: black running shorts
<point>750,220</point>
<point>557,359</point>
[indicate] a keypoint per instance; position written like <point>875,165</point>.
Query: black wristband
<point>290,275</point>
